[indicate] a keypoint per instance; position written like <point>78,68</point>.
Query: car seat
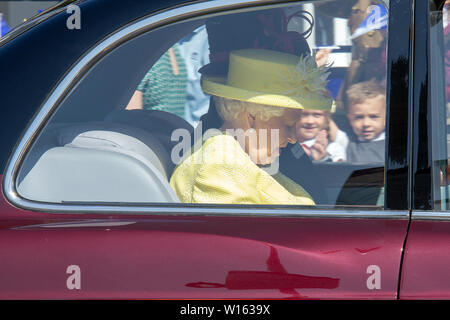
<point>160,124</point>
<point>96,162</point>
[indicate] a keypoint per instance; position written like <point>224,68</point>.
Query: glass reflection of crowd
<point>352,131</point>
<point>446,25</point>
<point>173,82</point>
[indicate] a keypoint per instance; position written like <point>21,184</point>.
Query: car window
<point>277,106</point>
<point>440,103</point>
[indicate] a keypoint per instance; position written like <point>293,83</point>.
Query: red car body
<point>197,257</point>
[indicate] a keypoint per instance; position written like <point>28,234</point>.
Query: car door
<point>88,211</point>
<point>424,274</point>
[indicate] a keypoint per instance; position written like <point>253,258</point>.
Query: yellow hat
<point>272,78</point>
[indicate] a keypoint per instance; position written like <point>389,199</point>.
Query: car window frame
<point>423,206</point>
<point>398,53</point>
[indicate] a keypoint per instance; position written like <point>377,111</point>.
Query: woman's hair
<point>229,109</point>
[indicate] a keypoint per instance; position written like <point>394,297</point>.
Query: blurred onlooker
<point>369,45</point>
<point>164,86</point>
<point>367,22</point>
<point>194,49</point>
<point>173,83</point>
<point>313,132</point>
<point>367,117</point>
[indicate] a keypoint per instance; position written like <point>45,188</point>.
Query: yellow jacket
<point>221,172</point>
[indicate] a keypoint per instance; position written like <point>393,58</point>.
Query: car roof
<point>33,21</point>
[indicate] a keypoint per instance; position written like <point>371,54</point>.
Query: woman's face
<point>272,135</point>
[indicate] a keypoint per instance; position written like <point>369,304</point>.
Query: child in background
<point>367,117</point>
<point>313,131</point>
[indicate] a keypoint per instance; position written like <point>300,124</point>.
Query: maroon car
<point>97,96</point>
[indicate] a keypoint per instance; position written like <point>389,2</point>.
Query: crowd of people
<point>322,140</point>
<point>260,89</point>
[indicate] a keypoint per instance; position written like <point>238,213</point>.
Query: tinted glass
<point>281,106</point>
<point>440,103</point>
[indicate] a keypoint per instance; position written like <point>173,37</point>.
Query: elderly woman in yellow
<point>260,101</point>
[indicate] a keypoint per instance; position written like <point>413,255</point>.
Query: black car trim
<point>422,189</point>
<point>398,105</point>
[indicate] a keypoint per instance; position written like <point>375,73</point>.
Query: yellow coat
<point>221,172</point>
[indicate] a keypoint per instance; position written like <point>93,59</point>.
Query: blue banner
<point>3,26</point>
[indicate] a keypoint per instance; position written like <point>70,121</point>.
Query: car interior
<point>92,150</point>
